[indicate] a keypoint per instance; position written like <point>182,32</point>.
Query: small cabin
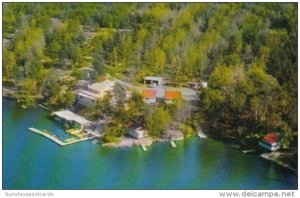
<point>270,142</point>
<point>135,131</point>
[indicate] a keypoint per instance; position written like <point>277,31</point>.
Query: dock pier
<point>57,140</point>
<point>173,143</point>
<point>143,147</point>
<point>200,132</point>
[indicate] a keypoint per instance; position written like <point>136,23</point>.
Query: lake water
<point>31,161</point>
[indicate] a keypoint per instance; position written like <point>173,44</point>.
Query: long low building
<point>67,117</point>
<point>151,95</point>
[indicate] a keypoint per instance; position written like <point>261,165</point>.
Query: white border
<point>132,193</point>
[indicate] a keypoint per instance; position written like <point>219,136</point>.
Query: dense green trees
<point>157,121</point>
<point>184,42</point>
<point>243,103</point>
<point>247,52</point>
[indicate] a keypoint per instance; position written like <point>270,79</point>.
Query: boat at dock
<point>248,151</point>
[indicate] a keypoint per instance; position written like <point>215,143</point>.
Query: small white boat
<point>95,141</point>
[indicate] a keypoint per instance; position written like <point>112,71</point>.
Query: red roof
<point>271,138</point>
<point>149,93</point>
<point>170,95</point>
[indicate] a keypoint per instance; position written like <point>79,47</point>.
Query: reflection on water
<point>31,161</point>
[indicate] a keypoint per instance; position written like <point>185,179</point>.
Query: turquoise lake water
<point>31,161</point>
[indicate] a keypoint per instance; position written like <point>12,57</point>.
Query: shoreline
<point>275,157</point>
<point>126,141</point>
<point>272,156</point>
<point>131,142</point>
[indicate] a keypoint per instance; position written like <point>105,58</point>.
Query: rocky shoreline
<point>279,158</point>
<point>129,142</point>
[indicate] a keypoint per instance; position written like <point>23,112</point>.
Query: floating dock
<point>57,140</point>
<point>173,144</point>
<point>144,147</point>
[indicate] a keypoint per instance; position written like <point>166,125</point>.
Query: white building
<point>73,120</point>
<point>154,80</point>
<point>271,141</point>
<point>94,93</point>
<point>136,131</point>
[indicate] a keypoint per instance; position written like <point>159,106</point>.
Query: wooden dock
<point>57,140</point>
<point>173,144</point>
<point>143,147</point>
<point>200,132</point>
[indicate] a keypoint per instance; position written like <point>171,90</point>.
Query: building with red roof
<point>170,96</point>
<point>271,141</point>
<point>149,96</point>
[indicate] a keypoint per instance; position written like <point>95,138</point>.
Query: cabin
<point>71,119</point>
<point>271,141</point>
<point>149,96</point>
<point>172,96</point>
<point>135,131</point>
<point>94,92</point>
<point>154,80</point>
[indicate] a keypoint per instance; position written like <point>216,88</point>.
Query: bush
<point>110,138</point>
<point>157,121</point>
<point>187,130</point>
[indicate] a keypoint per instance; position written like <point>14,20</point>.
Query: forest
<point>247,52</point>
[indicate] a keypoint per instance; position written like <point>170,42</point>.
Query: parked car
<point>152,85</point>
